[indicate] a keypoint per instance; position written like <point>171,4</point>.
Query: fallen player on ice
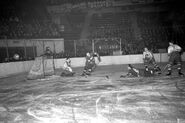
<point>135,72</point>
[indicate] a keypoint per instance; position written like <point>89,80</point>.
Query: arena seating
<point>109,25</point>
<point>112,25</point>
<point>17,26</point>
<point>154,31</point>
<point>81,3</point>
<point>74,26</point>
<point>154,28</point>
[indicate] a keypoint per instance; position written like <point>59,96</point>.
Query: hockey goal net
<point>41,67</point>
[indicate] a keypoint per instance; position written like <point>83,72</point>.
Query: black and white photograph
<point>92,61</point>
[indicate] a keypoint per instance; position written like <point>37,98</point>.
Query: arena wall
<point>7,69</point>
<point>56,45</point>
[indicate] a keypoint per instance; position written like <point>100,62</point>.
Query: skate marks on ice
<point>139,101</point>
<point>94,100</point>
<point>17,98</point>
<point>164,96</point>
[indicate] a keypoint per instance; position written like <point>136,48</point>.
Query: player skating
<point>90,63</point>
<point>149,59</point>
<point>174,53</point>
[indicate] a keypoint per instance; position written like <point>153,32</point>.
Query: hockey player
<point>149,59</point>
<point>48,53</point>
<point>67,68</point>
<point>134,72</point>
<point>90,63</point>
<point>174,58</point>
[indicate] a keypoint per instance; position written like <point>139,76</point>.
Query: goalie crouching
<point>90,63</point>
<point>67,68</point>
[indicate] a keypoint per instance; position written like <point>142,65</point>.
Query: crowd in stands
<point>154,30</point>
<point>112,25</point>
<point>15,26</point>
<point>81,4</point>
<point>154,33</point>
<point>109,25</point>
<point>73,25</point>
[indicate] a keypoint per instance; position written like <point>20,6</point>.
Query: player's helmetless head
<point>47,48</point>
<point>170,43</point>
<point>145,49</point>
<point>129,66</point>
<point>88,54</point>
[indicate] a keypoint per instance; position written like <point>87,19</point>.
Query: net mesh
<point>41,67</point>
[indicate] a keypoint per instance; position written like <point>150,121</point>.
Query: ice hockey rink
<point>103,97</point>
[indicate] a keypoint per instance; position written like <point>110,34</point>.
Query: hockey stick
<point>54,57</point>
<point>164,68</point>
<point>172,67</point>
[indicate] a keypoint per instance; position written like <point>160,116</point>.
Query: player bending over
<point>48,53</point>
<point>67,68</point>
<point>134,72</point>
<point>149,59</point>
<point>90,63</point>
<point>174,53</point>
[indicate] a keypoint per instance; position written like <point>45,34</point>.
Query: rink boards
<point>7,69</point>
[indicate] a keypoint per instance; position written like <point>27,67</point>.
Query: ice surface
<point>95,99</point>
